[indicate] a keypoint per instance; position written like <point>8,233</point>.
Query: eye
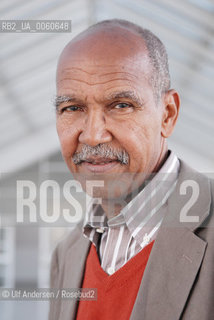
<point>122,106</point>
<point>71,109</point>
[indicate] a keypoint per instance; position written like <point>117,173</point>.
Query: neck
<point>162,157</point>
<point>112,208</point>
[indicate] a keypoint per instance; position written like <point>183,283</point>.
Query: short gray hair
<point>160,77</point>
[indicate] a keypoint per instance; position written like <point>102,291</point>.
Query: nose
<point>94,129</point>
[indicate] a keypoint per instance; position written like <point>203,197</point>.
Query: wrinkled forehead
<point>102,51</point>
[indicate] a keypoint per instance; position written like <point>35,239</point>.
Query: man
<point>147,246</point>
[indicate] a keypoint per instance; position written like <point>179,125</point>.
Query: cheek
<point>140,140</point>
<point>68,136</point>
<point>134,135</point>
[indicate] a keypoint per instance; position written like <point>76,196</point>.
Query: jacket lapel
<point>176,256</point>
<point>74,272</point>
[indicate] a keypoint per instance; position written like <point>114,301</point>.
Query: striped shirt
<point>120,238</point>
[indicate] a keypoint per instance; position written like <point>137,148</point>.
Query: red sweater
<point>116,293</point>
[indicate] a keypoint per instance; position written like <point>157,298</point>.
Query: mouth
<point>99,165</point>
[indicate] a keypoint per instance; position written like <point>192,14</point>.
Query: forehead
<point>104,58</point>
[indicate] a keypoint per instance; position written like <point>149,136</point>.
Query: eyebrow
<point>65,98</point>
<point>126,94</point>
<point>113,96</point>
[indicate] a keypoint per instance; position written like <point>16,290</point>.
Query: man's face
<point>111,103</point>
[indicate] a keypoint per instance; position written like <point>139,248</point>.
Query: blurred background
<point>28,140</point>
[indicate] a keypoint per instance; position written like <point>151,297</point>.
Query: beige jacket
<point>178,282</point>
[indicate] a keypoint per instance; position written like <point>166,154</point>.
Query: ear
<point>170,112</point>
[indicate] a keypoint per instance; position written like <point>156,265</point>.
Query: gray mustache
<point>101,150</point>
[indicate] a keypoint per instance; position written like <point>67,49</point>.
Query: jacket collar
<point>73,273</point>
<point>177,253</point>
<point>189,204</point>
